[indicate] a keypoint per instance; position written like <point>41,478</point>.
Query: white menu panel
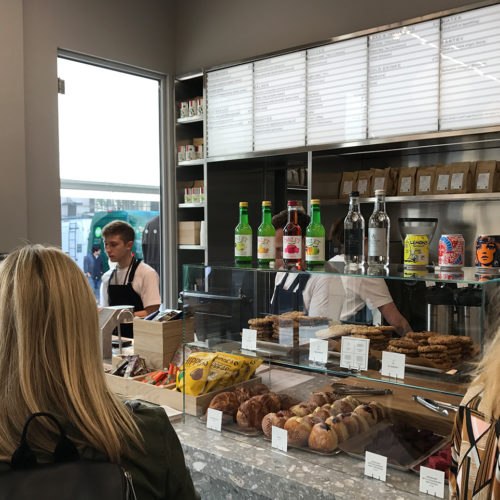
<point>280,102</point>
<point>336,92</point>
<point>470,69</point>
<point>404,80</point>
<point>230,111</point>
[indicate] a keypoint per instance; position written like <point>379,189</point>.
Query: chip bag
<point>224,371</point>
<point>193,377</point>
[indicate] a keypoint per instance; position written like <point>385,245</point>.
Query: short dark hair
<point>95,248</point>
<point>280,219</point>
<point>336,232</point>
<point>119,228</point>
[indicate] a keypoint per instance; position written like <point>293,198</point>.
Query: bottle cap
<point>380,192</point>
<point>354,193</point>
<point>243,204</point>
<point>315,202</point>
<point>292,203</point>
<point>266,203</point>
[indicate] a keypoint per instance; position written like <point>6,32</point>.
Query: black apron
<point>291,299</point>
<point>125,295</point>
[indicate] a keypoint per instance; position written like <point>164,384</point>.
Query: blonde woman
<point>475,468</point>
<point>49,362</point>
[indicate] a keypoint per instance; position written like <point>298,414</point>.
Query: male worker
<point>131,282</point>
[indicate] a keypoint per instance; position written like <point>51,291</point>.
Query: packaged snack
<point>193,377</point>
<point>349,182</point>
<point>406,184</point>
<point>364,183</point>
<point>462,177</point>
<point>224,370</point>
<point>425,180</point>
<point>487,177</point>
<point>442,180</point>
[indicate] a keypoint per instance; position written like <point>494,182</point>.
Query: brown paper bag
<point>406,183</point>
<point>392,186</point>
<point>385,179</point>
<point>487,177</point>
<point>349,182</point>
<point>442,180</point>
<point>363,184</point>
<point>424,181</point>
<point>461,177</point>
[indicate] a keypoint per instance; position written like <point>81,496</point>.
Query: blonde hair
<point>50,357</point>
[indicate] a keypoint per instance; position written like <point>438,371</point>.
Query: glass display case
<point>288,312</point>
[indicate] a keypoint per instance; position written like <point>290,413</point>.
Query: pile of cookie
<point>442,351</point>
<point>379,336</point>
<point>264,327</point>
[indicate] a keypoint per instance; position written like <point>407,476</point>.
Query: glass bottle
<point>266,236</point>
<point>379,227</point>
<point>292,239</point>
<point>315,238</point>
<point>243,237</point>
<point>354,234</point>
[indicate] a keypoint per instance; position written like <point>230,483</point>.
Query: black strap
<point>24,457</point>
<point>131,275</point>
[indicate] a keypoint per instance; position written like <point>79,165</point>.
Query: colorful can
<point>487,253</point>
<point>413,273</point>
<point>451,276</point>
<point>416,250</point>
<point>451,250</point>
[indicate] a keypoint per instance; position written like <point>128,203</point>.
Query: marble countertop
<point>255,470</point>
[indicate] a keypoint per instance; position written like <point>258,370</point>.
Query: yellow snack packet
<point>224,370</point>
<point>194,375</point>
<point>248,369</point>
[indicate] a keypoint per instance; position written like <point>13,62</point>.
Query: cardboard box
<point>197,141</point>
<point>189,232</point>
<point>157,341</point>
<point>132,388</point>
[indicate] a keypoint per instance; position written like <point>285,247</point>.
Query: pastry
<point>323,438</point>
<point>351,422</point>
<point>273,419</point>
<point>363,424</point>
<point>343,406</point>
<point>286,401</point>
<point>298,431</point>
<point>302,409</point>
<point>434,348</point>
<point>243,394</point>
<point>366,411</point>
<point>443,339</point>
<point>258,389</point>
<point>317,399</point>
<point>339,427</point>
<point>378,410</point>
<point>250,414</point>
<point>321,413</point>
<point>270,401</point>
<point>227,403</point>
<point>403,350</point>
<point>312,419</point>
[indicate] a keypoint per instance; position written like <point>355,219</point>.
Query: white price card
<point>457,180</point>
<point>279,438</point>
<point>393,364</point>
<point>214,419</point>
<point>432,482</point>
<point>443,182</point>
<point>354,353</point>
<point>405,184</point>
<point>375,466</point>
<point>249,339</point>
<point>483,181</point>
<point>425,183</point>
<point>318,350</point>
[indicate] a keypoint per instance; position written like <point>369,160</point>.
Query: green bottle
<point>315,238</point>
<point>243,238</point>
<point>266,236</point>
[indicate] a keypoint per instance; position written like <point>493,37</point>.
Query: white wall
<point>138,33</point>
<point>13,204</point>
<point>222,31</point>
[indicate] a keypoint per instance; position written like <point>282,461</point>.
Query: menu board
<point>470,69</point>
<point>403,80</point>
<point>280,102</point>
<point>230,110</point>
<point>336,92</point>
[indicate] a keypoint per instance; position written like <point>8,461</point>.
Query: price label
<point>375,466</point>
<point>457,180</point>
<point>354,353</point>
<point>318,350</point>
<point>393,364</point>
<point>214,419</point>
<point>249,339</point>
<point>483,181</point>
<point>425,183</point>
<point>279,438</point>
<point>432,482</point>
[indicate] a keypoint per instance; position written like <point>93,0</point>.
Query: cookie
<point>405,344</point>
<point>433,355</point>
<point>443,339</point>
<point>417,336</point>
<point>432,348</point>
<point>402,350</point>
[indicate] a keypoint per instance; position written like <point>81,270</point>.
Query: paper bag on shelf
<point>462,177</point>
<point>349,183</point>
<point>442,180</point>
<point>487,177</point>
<point>425,180</point>
<point>406,182</point>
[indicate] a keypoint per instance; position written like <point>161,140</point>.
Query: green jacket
<point>160,472</point>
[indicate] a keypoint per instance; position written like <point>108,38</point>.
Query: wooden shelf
<point>191,247</point>
<point>190,119</point>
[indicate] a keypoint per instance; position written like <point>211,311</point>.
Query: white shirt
<point>360,291</point>
<point>146,284</point>
<point>314,295</point>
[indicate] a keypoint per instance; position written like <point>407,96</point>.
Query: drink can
<point>451,276</point>
<point>451,250</point>
<point>487,252</point>
<point>416,250</point>
<point>413,273</point>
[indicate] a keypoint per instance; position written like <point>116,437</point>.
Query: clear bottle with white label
<point>243,238</point>
<point>354,234</point>
<point>379,228</point>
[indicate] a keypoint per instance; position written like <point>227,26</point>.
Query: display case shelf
<point>192,205</point>
<point>188,163</point>
<point>192,247</point>
<point>190,119</point>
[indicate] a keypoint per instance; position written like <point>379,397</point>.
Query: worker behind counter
<point>131,282</point>
<point>363,298</point>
